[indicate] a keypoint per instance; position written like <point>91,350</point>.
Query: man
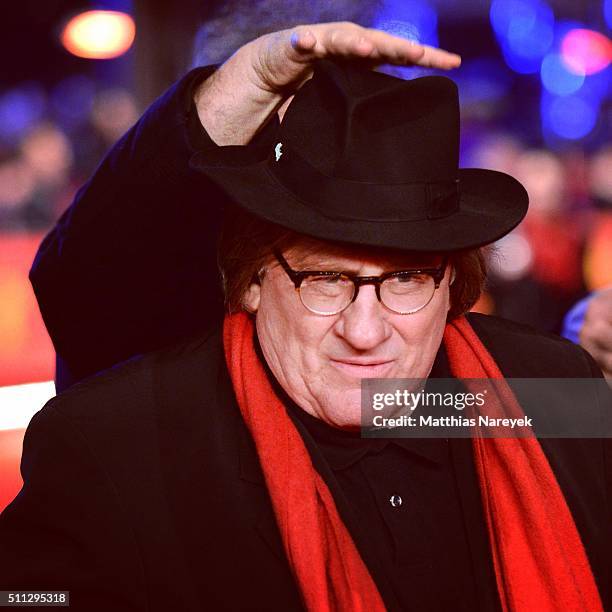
<point>224,472</point>
<point>113,242</point>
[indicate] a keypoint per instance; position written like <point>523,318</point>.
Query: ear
<point>251,298</point>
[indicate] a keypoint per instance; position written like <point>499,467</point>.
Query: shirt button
<point>395,501</point>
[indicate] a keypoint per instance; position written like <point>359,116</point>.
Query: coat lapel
<point>221,509</point>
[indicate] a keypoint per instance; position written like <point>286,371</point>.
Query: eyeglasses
<point>329,293</point>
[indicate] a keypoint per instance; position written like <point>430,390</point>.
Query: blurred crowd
<point>50,145</point>
<point>562,251</point>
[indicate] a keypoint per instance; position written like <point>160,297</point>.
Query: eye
<point>407,283</point>
<point>410,278</point>
<point>326,284</point>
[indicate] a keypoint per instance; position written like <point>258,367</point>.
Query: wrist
<point>232,104</point>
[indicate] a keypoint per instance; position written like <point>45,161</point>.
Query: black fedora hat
<point>366,158</point>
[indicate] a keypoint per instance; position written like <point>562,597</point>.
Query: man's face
<point>320,360</point>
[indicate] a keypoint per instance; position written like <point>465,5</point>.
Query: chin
<point>344,409</point>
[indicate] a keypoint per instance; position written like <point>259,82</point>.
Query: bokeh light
<point>482,80</point>
<point>598,254</point>
<point>20,109</point>
<point>48,152</point>
<point>557,78</point>
<point>412,19</point>
<point>570,117</point>
<point>513,257</point>
<point>72,100</point>
<point>607,9</point>
<point>586,51</point>
<point>525,31</point>
<point>543,176</point>
<point>600,177</point>
<point>17,184</point>
<point>99,34</point>
<point>113,113</point>
<point>597,86</point>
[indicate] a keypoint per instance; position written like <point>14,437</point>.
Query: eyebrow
<point>335,266</point>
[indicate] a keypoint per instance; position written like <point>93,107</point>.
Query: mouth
<point>363,369</point>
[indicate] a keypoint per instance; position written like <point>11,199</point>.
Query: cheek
<point>435,317</point>
<point>279,315</point>
<point>422,333</point>
<point>289,335</point>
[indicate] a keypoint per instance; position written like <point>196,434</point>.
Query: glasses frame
<point>298,277</point>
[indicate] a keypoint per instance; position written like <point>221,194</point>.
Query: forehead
<point>313,254</point>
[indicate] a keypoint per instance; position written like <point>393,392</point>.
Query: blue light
<point>607,11</point>
<point>482,80</point>
<point>520,63</point>
<point>20,109</point>
<point>562,27</point>
<point>413,19</point>
<point>557,78</point>
<point>570,117</point>
<point>72,100</point>
<point>525,30</point>
<point>597,86</point>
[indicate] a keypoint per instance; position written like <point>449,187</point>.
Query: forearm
<point>231,106</point>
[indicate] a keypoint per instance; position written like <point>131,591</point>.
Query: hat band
<point>338,198</point>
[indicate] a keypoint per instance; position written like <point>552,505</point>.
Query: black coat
<point>142,487</point>
<point>143,490</point>
<point>131,264</point>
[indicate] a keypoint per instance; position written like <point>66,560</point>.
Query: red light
<point>586,51</point>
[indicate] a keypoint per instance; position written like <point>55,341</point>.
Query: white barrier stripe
<point>19,403</point>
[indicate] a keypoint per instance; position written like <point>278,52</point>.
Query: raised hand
<point>235,102</point>
<point>283,59</point>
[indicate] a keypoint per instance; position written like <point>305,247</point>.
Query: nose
<point>363,324</point>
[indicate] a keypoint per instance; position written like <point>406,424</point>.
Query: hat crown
<point>367,126</point>
<point>366,158</point>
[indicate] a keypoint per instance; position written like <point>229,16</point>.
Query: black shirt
<point>413,509</point>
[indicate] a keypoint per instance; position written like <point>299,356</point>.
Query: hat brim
<point>491,204</point>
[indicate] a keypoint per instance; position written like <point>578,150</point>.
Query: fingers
<point>438,58</point>
<point>344,41</point>
<point>350,41</point>
<point>281,62</point>
<point>303,41</point>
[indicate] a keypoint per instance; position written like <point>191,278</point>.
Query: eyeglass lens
<point>402,294</point>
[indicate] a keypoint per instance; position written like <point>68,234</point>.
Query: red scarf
<point>539,560</point>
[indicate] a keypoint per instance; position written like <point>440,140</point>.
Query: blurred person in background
<point>17,186</point>
<point>33,181</point>
<point>589,322</point>
<point>598,248</point>
<point>537,270</point>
